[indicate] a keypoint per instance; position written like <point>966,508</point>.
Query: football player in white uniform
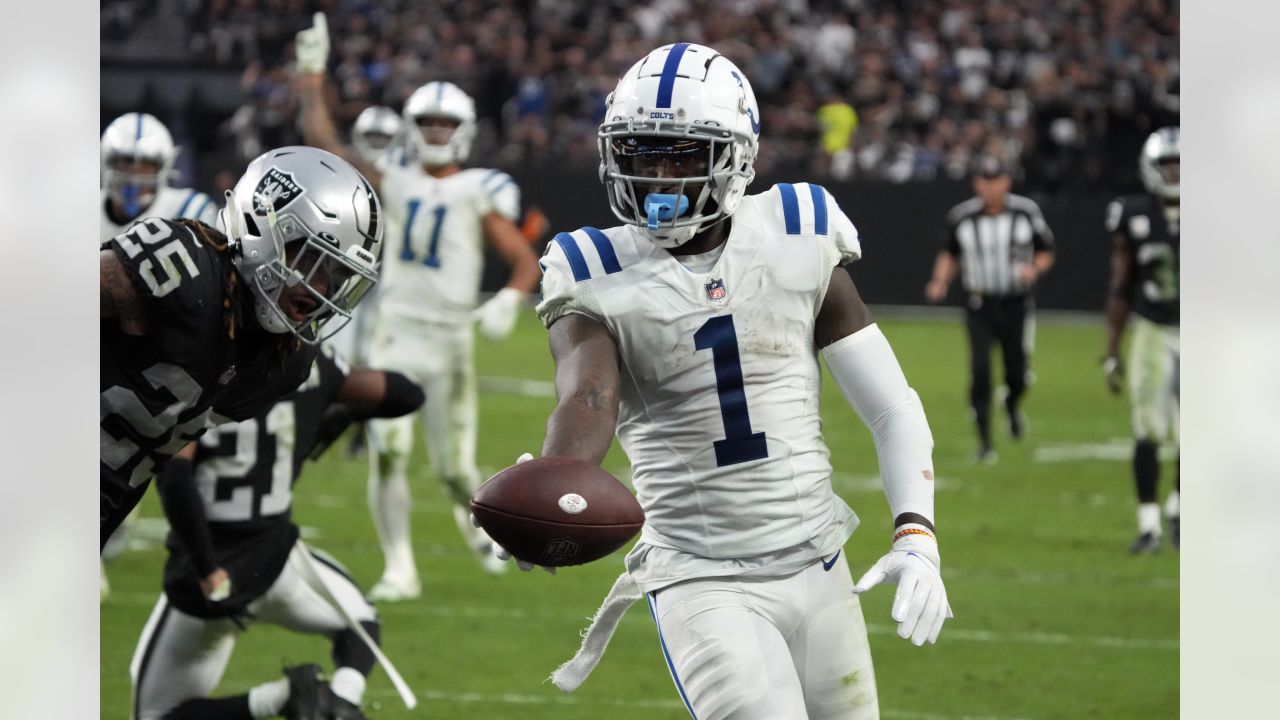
<point>694,330</point>
<point>375,131</point>
<point>137,162</point>
<point>374,135</point>
<point>438,216</point>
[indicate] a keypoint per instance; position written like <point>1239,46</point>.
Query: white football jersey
<point>169,203</point>
<point>720,374</point>
<point>433,254</point>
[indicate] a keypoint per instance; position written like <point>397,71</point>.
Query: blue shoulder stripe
<point>790,208</point>
<point>608,257</point>
<point>182,211</point>
<point>207,201</point>
<point>819,194</point>
<point>577,263</point>
<point>493,175</point>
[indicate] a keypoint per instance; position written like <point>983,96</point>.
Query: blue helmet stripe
<point>668,81</point>
<point>608,257</point>
<point>790,208</point>
<point>819,208</point>
<point>577,263</point>
<point>138,132</point>
<point>439,92</point>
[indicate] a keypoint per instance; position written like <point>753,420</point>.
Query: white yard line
<point>1113,450</point>
<point>961,634</point>
<point>470,698</point>
<point>516,386</point>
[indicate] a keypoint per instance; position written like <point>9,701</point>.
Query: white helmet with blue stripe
<point>678,143</point>
<point>439,100</point>
<point>129,143</point>
<point>374,132</point>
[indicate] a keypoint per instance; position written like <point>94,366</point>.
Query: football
<point>557,511</point>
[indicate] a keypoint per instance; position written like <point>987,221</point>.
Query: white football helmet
<point>1160,150</point>
<point>302,216</point>
<point>375,130</point>
<point>440,100</point>
<point>133,138</point>
<point>682,105</point>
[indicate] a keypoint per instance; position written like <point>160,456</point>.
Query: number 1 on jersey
<point>740,444</point>
<point>406,248</point>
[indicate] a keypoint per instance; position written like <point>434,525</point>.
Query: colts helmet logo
<point>275,191</point>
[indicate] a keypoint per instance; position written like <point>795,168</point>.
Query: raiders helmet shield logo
<point>275,191</point>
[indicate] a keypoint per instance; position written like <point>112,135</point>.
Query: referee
<point>1001,245</point>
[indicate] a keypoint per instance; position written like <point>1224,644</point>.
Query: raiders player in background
<point>198,326</point>
<point>440,216</point>
<point>137,165</point>
<point>1145,243</point>
<point>235,556</point>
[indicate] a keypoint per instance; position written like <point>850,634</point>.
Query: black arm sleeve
<point>185,510</point>
<point>402,397</point>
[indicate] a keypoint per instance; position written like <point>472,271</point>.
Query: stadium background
<point>1052,619</point>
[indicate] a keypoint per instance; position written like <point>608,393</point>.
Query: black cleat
<point>308,694</point>
<point>1148,542</point>
<point>1017,421</point>
<point>341,709</point>
<point>1175,530</point>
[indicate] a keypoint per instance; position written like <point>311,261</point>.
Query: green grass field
<point>1053,619</point>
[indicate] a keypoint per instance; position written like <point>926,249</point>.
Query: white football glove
<point>311,46</point>
<point>501,552</point>
<point>497,316</point>
<point>920,605</point>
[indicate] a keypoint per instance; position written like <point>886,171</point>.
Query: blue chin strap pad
<point>662,206</point>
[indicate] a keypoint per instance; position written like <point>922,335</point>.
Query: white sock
<point>268,699</point>
<point>1172,505</point>
<point>348,684</point>
<point>389,502</point>
<point>1149,518</point>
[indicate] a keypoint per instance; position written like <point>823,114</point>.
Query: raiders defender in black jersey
<point>1144,280</point>
<point>235,557</point>
<point>200,327</point>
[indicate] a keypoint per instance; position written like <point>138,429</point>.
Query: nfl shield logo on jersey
<point>275,191</point>
<point>715,291</point>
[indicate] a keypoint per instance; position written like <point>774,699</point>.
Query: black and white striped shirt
<point>991,248</point>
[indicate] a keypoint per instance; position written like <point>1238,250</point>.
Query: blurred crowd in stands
<point>899,90</point>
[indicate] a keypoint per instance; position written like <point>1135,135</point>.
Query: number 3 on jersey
<point>740,444</point>
<point>407,253</point>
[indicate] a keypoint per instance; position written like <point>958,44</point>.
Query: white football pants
<point>439,358</point>
<point>1153,380</point>
<point>768,649</point>
<point>180,656</point>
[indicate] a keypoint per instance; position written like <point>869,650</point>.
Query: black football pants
<point>1002,319</point>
